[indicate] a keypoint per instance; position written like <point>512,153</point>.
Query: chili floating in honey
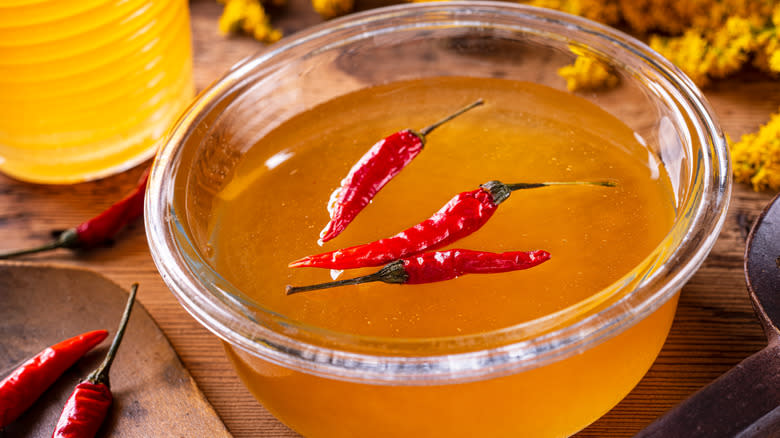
<point>462,215</point>
<point>100,228</point>
<point>26,383</point>
<point>373,171</point>
<point>88,405</point>
<point>431,267</point>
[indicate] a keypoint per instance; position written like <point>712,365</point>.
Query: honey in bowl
<point>272,211</point>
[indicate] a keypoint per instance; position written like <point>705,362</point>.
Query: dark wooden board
<point>153,394</point>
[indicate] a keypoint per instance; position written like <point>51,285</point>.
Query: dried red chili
<point>19,390</point>
<point>100,228</point>
<point>375,169</point>
<point>440,266</point>
<point>462,215</point>
<point>88,405</point>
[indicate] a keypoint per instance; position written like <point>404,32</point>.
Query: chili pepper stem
<point>68,239</point>
<point>391,273</point>
<point>520,186</point>
<point>427,130</point>
<point>100,375</point>
<point>500,191</point>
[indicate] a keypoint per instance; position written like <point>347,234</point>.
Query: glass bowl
<point>544,377</point>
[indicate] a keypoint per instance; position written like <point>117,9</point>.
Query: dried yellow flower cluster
<point>717,53</point>
<point>587,73</point>
<point>678,16</point>
<point>332,8</point>
<point>249,16</point>
<point>756,157</point>
<point>671,17</point>
<point>707,39</point>
<point>604,11</point>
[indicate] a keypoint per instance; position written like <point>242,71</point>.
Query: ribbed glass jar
<point>88,88</point>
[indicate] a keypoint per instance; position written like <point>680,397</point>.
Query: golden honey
<point>273,208</point>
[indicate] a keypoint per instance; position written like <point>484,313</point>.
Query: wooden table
<point>714,328</point>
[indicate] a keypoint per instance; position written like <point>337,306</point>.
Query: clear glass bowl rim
<point>224,312</point>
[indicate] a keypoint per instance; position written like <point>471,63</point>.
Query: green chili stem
<point>427,130</point>
<point>42,248</point>
<point>68,239</point>
<point>500,191</point>
<point>392,272</point>
<point>521,186</point>
<point>100,375</point>
<point>346,282</point>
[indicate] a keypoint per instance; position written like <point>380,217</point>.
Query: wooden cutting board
<point>153,394</point>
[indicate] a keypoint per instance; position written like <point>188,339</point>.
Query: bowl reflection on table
<point>545,377</point>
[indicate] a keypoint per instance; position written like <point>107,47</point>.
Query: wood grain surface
<point>152,390</point>
<point>713,330</point>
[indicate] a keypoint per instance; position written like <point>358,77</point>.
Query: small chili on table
<point>88,405</point>
<point>100,228</point>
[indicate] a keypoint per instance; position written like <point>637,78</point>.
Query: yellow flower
<point>587,73</point>
<point>776,15</point>
<point>704,55</point>
<point>756,157</point>
<point>248,16</point>
<point>765,57</point>
<point>232,16</point>
<point>332,8</point>
<point>774,61</point>
<point>732,45</point>
<point>605,11</point>
<point>689,52</point>
<point>665,15</point>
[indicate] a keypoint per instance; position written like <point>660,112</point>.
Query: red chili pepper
<point>85,410</point>
<point>462,215</point>
<point>375,169</point>
<point>19,390</point>
<point>100,228</point>
<point>430,267</point>
<point>88,405</point>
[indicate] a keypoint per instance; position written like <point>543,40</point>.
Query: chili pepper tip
<point>298,263</point>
